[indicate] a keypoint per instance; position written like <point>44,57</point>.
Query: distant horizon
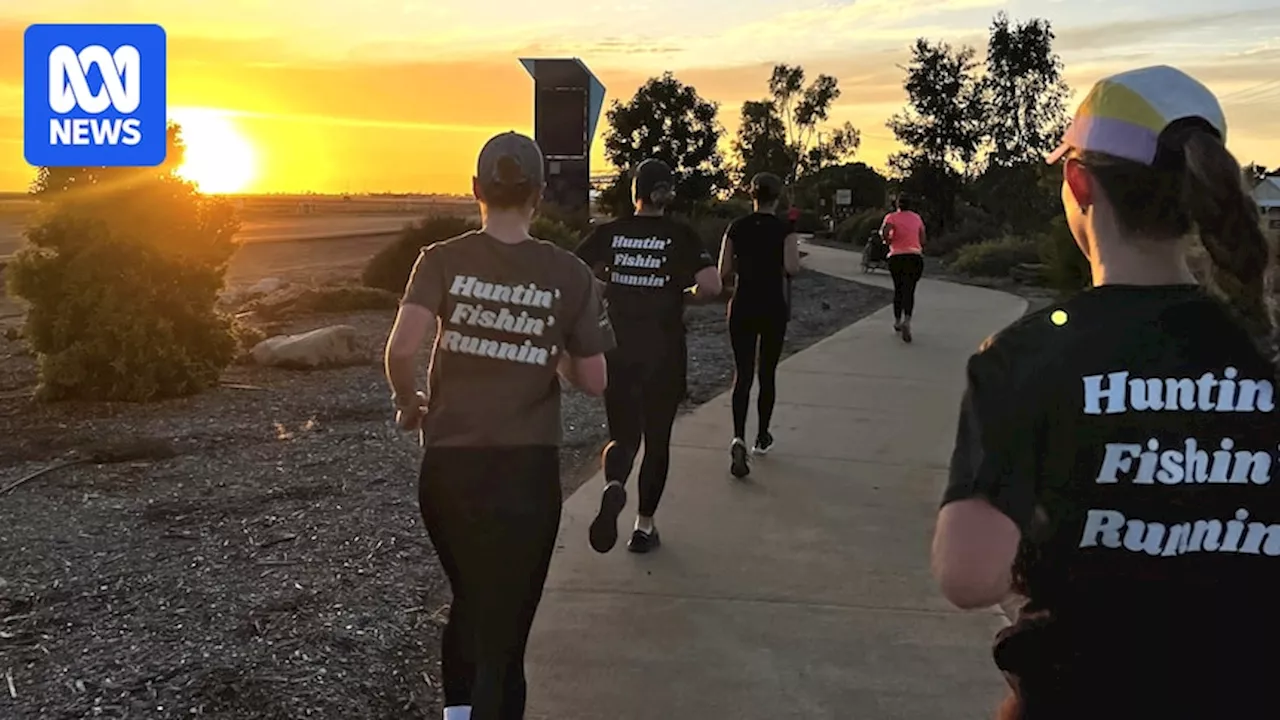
<point>290,98</point>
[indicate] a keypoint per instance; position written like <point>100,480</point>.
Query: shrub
<point>730,209</point>
<point>121,282</point>
<point>973,225</point>
<point>1066,267</point>
<point>994,258</point>
<point>389,269</point>
<point>711,230</point>
<point>294,301</point>
<point>810,222</point>
<point>555,231</point>
<point>855,230</point>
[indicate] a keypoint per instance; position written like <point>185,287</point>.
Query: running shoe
<point>739,464</point>
<point>764,441</point>
<point>897,326</point>
<point>604,529</point>
<point>643,542</point>
<point>906,332</point>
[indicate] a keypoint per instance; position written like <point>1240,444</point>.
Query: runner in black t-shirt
<point>1116,459</point>
<point>649,263</point>
<point>505,314</point>
<point>761,251</point>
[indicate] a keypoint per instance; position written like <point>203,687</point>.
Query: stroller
<point>876,254</point>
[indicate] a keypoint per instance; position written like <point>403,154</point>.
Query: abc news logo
<point>69,90</point>
<point>94,95</point>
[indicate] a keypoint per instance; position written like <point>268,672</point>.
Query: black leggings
<point>906,270</point>
<point>641,402</point>
<point>750,333</point>
<point>493,515</point>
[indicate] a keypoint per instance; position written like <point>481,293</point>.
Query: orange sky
<point>387,112</point>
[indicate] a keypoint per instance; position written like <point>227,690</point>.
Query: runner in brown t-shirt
<point>510,315</point>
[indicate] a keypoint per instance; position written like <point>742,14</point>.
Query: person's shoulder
<point>563,259</point>
<point>1029,341</point>
<point>450,246</point>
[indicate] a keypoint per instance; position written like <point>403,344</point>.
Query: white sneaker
<point>739,465</point>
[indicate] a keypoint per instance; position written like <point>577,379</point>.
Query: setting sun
<point>219,158</point>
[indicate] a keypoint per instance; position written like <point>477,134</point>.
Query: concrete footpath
<point>804,591</point>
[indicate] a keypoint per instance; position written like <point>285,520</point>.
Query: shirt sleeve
<point>590,332</point>
<point>995,452</point>
<point>692,257</point>
<point>426,282</point>
<point>593,249</point>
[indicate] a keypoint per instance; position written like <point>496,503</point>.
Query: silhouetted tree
<point>788,127</point>
<point>761,143</point>
<point>1026,114</point>
<point>1024,92</point>
<point>867,187</point>
<point>941,129</point>
<point>668,120</point>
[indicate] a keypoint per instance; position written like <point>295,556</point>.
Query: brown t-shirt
<point>507,313</point>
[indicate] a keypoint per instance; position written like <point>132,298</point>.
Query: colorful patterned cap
<point>1124,114</point>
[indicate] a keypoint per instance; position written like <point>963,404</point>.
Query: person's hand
<point>409,416</point>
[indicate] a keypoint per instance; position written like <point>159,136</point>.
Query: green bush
<point>810,222</point>
<point>994,258</point>
<point>389,269</point>
<point>1066,267</point>
<point>711,230</point>
<point>556,231</point>
<point>855,230</point>
<point>972,225</point>
<point>121,283</point>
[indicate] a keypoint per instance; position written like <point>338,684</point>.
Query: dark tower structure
<point>567,103</point>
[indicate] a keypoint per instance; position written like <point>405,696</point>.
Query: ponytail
<point>1227,219</point>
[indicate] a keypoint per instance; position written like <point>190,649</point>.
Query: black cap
<point>508,160</point>
<point>766,186</point>
<point>651,176</point>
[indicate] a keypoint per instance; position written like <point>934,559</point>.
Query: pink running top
<point>905,229</point>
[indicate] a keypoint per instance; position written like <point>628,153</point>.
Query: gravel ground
<point>258,554</point>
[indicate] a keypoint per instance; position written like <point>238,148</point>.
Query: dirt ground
<point>259,553</point>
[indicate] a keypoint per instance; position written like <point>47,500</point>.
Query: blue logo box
<point>94,95</point>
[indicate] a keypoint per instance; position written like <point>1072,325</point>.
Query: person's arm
<point>791,253</point>
<point>922,234</point>
<point>593,250</point>
<point>990,498</point>
<point>725,266</point>
<point>886,229</point>
<point>412,326</point>
<point>589,337</point>
<point>423,298</point>
<point>694,260</point>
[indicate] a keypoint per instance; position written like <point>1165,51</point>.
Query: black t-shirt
<point>647,263</point>
<point>1131,434</point>
<point>759,247</point>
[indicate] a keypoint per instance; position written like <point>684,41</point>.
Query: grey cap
<point>770,184</point>
<point>510,159</point>
<point>651,176</point>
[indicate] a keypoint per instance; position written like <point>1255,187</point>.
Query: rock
<point>265,286</point>
<point>333,346</point>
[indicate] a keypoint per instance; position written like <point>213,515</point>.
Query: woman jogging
<point>507,313</point>
<point>761,251</point>
<point>903,232</point>
<point>1115,463</point>
<point>649,262</point>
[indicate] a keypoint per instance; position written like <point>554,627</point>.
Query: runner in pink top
<point>903,231</point>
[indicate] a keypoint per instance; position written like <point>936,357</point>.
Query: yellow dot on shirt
<point>1058,317</point>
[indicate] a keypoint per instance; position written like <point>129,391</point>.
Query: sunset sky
<point>386,95</point>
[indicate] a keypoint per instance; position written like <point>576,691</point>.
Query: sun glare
<point>219,158</point>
